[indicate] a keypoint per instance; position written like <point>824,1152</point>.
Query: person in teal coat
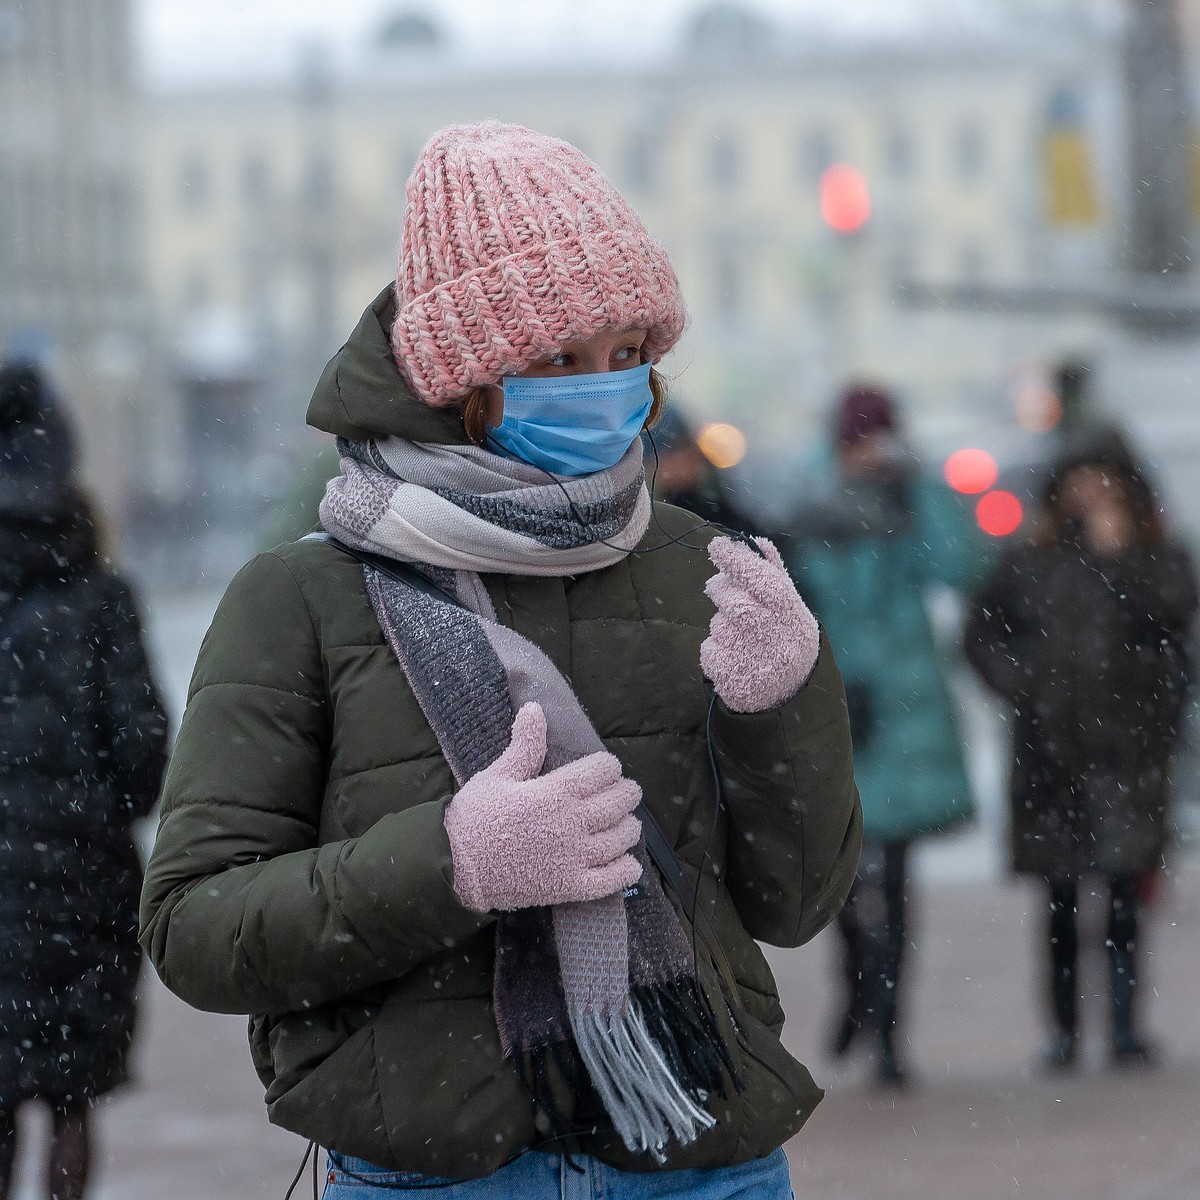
<point>870,539</point>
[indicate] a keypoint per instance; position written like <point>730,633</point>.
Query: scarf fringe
<point>653,1067</point>
<point>679,1018</point>
<point>645,1102</point>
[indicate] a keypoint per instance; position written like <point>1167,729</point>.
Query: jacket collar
<point>362,394</point>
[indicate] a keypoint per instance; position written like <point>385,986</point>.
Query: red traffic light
<point>845,199</point>
<point>971,471</point>
<point>999,513</point>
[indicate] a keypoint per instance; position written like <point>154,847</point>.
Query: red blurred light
<point>845,200</point>
<point>999,513</point>
<point>971,471</point>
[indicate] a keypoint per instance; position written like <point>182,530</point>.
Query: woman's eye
<point>628,352</point>
<point>559,360</point>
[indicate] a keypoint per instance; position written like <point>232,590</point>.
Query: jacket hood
<point>1104,445</point>
<point>36,452</point>
<point>1099,444</point>
<point>362,394</point>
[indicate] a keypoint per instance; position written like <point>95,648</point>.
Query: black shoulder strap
<point>667,861</point>
<point>662,853</point>
<point>393,568</point>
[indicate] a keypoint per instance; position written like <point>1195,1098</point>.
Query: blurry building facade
<point>994,167</point>
<point>279,209</point>
<point>71,262</point>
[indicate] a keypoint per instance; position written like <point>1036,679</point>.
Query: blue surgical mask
<point>573,424</point>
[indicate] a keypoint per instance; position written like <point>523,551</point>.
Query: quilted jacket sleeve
<point>242,910</point>
<point>795,822</point>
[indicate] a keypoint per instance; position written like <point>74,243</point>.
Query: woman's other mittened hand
<point>520,840</point>
<point>763,640</point>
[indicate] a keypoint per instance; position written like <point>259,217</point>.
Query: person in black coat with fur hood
<point>1084,629</point>
<point>82,753</point>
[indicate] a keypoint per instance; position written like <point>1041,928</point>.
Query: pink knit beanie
<point>515,243</point>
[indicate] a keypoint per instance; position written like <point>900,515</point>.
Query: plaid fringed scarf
<point>599,998</point>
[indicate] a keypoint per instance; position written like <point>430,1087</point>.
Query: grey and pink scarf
<point>596,1000</point>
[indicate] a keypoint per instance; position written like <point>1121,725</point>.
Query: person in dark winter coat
<point>681,475</point>
<point>871,538</point>
<point>82,753</point>
<point>1083,628</point>
<point>442,813</point>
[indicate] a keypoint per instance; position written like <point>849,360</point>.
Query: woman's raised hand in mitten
<point>762,643</point>
<point>519,839</point>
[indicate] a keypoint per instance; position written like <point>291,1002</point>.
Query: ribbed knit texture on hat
<point>514,244</point>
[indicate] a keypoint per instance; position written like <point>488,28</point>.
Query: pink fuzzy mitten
<point>762,643</point>
<point>520,839</point>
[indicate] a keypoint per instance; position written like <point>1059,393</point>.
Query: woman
<point>82,752</point>
<point>399,824</point>
<point>871,540</point>
<point>1083,629</point>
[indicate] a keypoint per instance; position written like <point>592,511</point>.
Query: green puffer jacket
<point>302,872</point>
<point>864,559</point>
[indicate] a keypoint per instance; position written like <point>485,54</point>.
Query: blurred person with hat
<point>870,539</point>
<point>82,752</point>
<point>444,761</point>
<point>1084,628</point>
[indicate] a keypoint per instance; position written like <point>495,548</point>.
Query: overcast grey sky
<point>183,39</point>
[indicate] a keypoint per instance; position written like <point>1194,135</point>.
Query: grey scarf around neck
<point>466,508</point>
<point>596,1001</point>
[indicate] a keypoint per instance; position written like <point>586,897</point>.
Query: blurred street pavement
<point>979,1122</point>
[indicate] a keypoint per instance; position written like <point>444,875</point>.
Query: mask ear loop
<point>737,534</point>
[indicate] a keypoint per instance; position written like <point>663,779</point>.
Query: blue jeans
<point>540,1176</point>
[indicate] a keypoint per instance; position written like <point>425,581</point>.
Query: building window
<point>1066,107</point>
<point>899,153</point>
<point>971,260</point>
<point>640,163</point>
<point>817,152</point>
<point>98,37</point>
<point>10,31</point>
<point>256,177</point>
<point>319,178</point>
<point>194,185</point>
<point>113,222</point>
<point>725,163</point>
<point>905,256</point>
<point>728,282</point>
<point>969,152</point>
<point>197,294</point>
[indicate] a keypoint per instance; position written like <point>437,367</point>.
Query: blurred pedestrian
<point>400,824</point>
<point>82,751</point>
<point>870,539</point>
<point>680,474</point>
<point>1083,629</point>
